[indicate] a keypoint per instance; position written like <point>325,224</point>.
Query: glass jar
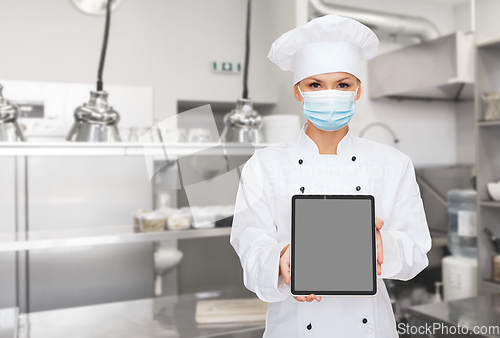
<point>462,230</point>
<point>491,105</point>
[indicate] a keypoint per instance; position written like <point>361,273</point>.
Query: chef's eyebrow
<point>317,80</point>
<point>314,79</point>
<point>346,78</point>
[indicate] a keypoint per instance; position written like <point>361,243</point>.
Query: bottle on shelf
<point>462,233</point>
<point>436,298</point>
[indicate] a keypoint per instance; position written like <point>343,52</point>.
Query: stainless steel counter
<point>172,316</point>
<point>481,312</point>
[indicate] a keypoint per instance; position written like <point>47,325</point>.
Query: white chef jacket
<point>262,223</point>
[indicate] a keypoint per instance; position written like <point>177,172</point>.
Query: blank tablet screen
<point>333,245</point>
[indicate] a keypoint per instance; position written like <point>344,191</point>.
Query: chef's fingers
<point>309,298</point>
<point>380,258</point>
<point>380,253</point>
<point>285,267</point>
<point>318,298</point>
<point>380,248</point>
<point>285,271</point>
<point>378,223</point>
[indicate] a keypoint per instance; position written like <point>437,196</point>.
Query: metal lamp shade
<point>242,124</point>
<point>9,128</point>
<point>95,121</point>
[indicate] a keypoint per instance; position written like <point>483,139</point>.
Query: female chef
<point>325,55</point>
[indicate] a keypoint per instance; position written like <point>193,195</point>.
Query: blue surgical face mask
<point>329,109</point>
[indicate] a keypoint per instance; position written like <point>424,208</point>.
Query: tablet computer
<point>333,248</point>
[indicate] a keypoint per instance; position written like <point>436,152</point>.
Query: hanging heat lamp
<point>9,128</point>
<point>97,121</point>
<point>243,124</point>
<point>95,7</point>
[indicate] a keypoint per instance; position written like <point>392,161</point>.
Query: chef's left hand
<point>380,252</point>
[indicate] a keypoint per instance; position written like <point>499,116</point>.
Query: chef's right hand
<point>284,269</point>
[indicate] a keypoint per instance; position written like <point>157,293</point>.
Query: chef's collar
<point>344,145</point>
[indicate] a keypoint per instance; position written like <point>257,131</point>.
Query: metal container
<point>243,124</point>
<point>95,121</point>
<point>9,128</point>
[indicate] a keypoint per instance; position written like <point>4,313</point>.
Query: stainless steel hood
<point>441,69</point>
<point>387,22</point>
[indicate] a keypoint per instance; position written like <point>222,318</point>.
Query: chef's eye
<point>343,85</point>
<point>315,85</point>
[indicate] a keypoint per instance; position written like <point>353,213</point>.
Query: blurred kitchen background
<point>93,246</point>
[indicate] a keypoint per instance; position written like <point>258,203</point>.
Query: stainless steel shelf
<point>487,42</point>
<point>492,204</point>
<point>97,236</point>
<point>488,123</point>
<point>124,149</point>
<point>491,283</point>
<point>488,286</point>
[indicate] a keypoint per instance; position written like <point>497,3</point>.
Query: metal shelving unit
<point>488,161</point>
<point>24,241</point>
<point>21,240</point>
<point>112,234</point>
